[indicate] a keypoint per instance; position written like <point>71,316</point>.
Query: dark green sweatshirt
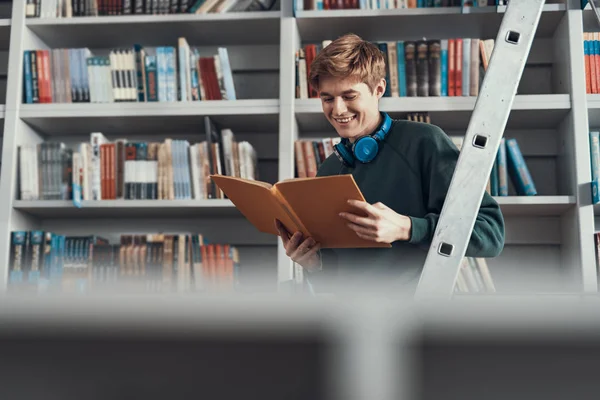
<point>411,175</point>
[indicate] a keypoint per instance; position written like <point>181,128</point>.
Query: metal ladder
<point>479,149</point>
<point>595,7</point>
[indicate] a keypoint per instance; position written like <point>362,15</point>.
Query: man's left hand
<point>382,224</point>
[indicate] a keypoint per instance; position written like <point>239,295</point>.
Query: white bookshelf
<point>549,241</point>
<point>212,29</point>
<point>128,208</point>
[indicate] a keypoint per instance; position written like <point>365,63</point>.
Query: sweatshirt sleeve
<point>436,157</point>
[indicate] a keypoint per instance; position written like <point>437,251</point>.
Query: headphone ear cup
<point>365,149</point>
<point>343,154</point>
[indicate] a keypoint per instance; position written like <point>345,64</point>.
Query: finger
<point>282,229</point>
<point>364,221</point>
<point>310,254</point>
<point>303,248</point>
<point>293,244</point>
<point>362,230</point>
<point>311,251</point>
<point>366,237</point>
<point>283,233</point>
<point>363,205</point>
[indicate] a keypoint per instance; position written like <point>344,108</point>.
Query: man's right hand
<point>303,251</point>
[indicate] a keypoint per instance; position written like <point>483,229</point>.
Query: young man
<point>404,185</point>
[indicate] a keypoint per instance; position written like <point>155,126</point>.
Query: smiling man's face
<point>350,106</point>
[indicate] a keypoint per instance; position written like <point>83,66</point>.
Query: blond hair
<point>349,56</point>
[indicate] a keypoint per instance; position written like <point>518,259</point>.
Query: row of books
<point>137,74</point>
<point>158,262</point>
<point>87,8</point>
<point>474,277</point>
<point>591,52</point>
<point>509,164</point>
<point>309,154</point>
<point>391,4</point>
<point>423,68</point>
<point>133,170</point>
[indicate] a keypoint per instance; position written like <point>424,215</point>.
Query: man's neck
<point>372,126</point>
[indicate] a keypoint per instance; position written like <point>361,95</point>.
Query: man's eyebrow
<point>349,91</point>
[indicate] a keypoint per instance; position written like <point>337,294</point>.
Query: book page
<point>256,201</point>
<point>317,202</point>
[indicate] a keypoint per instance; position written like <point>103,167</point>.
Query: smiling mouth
<point>344,120</point>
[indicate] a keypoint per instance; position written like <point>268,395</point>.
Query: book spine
<point>27,79</point>
<point>435,68</point>
<point>401,68</point>
<point>422,69</point>
<point>501,169</point>
<point>411,68</point>
<point>595,164</point>
<point>518,169</point>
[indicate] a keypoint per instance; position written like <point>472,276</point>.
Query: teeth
<point>344,120</point>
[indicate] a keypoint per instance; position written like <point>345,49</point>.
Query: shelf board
<point>243,28</point>
<point>538,206</point>
<point>416,23</point>
<point>47,209</point>
<point>78,118</point>
<point>528,111</point>
<point>511,206</point>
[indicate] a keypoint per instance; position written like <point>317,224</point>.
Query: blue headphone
<point>365,148</point>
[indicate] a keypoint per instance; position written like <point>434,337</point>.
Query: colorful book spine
<point>595,164</point>
<point>401,69</point>
<point>501,169</point>
<point>518,170</point>
<point>444,67</point>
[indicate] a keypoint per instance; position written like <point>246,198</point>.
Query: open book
<point>308,205</point>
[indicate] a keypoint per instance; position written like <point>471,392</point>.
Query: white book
<point>183,52</point>
<point>96,140</point>
<point>466,67</point>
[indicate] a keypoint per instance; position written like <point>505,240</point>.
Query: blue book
<point>444,67</point>
<point>595,164</point>
<point>494,179</point>
<point>501,169</point>
<point>37,242</point>
<point>517,168</point>
<point>27,79</point>
<point>401,69</point>
<point>17,257</point>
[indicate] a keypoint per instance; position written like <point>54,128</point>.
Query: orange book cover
<point>308,205</point>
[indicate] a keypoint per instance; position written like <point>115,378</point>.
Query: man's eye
<point>350,97</point>
<point>327,100</point>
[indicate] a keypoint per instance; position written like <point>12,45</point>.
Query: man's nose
<point>339,106</point>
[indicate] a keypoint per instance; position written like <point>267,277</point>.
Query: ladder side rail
<point>479,149</point>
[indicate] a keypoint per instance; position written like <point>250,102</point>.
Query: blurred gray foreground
<point>287,348</point>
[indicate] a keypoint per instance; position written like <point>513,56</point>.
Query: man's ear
<point>380,88</point>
